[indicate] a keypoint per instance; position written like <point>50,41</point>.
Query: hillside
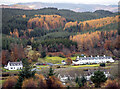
<point>65,31</point>
<point>46,22</point>
<point>90,24</point>
<point>22,20</point>
<point>99,42</point>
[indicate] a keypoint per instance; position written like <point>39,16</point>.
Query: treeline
<point>55,45</point>
<point>12,49</point>
<point>8,40</point>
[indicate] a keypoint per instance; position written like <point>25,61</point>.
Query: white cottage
<point>88,60</point>
<point>14,65</point>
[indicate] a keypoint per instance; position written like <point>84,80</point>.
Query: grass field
<point>54,60</point>
<point>1,81</point>
<point>94,65</point>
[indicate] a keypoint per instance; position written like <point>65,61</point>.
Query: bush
<point>102,64</point>
<point>61,56</point>
<point>98,78</point>
<point>50,55</point>
<point>72,55</point>
<point>111,84</point>
<point>29,83</point>
<point>43,54</point>
<point>10,82</point>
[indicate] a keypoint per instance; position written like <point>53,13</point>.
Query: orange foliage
<point>112,84</point>
<point>69,24</point>
<point>29,83</point>
<point>41,81</point>
<point>107,44</point>
<point>4,57</point>
<point>29,30</point>
<point>55,53</point>
<point>15,33</point>
<point>24,16</point>
<point>84,40</point>
<point>100,22</point>
<point>17,52</point>
<point>88,41</point>
<point>47,21</point>
<point>68,61</point>
<point>10,82</point>
<point>95,23</point>
<point>54,82</point>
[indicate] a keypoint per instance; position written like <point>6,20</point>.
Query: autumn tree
<point>5,57</point>
<point>112,84</point>
<point>42,84</point>
<point>68,61</point>
<point>10,82</point>
<point>29,83</point>
<point>54,82</point>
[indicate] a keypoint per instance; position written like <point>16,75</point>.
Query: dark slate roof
<point>15,63</point>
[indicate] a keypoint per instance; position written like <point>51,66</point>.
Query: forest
<point>53,30</point>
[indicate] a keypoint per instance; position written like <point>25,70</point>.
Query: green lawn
<point>1,81</point>
<point>54,60</point>
<point>41,66</point>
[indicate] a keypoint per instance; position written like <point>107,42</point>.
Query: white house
<point>88,60</point>
<point>14,65</point>
<point>63,62</point>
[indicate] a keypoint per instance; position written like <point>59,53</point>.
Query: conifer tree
<point>51,72</point>
<point>98,78</point>
<point>25,73</point>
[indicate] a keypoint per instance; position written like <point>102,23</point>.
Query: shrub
<point>98,78</point>
<point>72,55</point>
<point>61,56</point>
<point>29,83</point>
<point>43,54</point>
<point>102,64</point>
<point>111,84</point>
<point>10,82</point>
<point>50,55</point>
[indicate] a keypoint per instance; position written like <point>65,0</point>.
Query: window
<point>18,68</point>
<point>11,68</point>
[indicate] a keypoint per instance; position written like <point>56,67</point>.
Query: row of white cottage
<point>88,60</point>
